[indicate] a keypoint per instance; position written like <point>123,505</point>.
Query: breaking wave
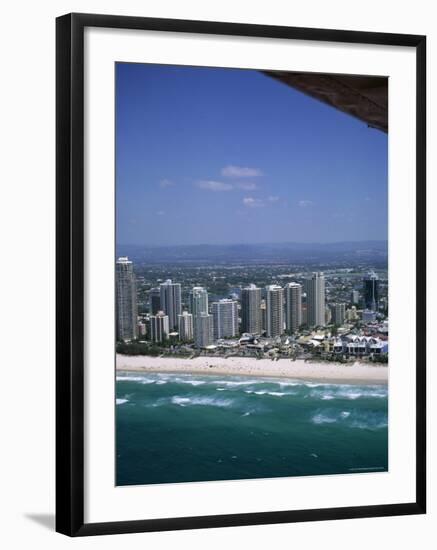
<point>205,401</point>
<point>349,392</point>
<point>366,420</point>
<point>132,378</point>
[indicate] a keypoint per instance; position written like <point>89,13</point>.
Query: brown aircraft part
<point>364,97</point>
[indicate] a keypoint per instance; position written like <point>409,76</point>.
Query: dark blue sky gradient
<point>318,175</point>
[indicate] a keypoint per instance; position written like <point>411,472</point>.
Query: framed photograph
<point>240,274</point>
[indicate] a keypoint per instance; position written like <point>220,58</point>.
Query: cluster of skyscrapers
<point>273,310</point>
<point>280,311</point>
<point>200,323</point>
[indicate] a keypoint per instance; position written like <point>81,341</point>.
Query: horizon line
<point>257,243</point>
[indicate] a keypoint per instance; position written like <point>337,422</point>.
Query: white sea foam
<point>141,379</point>
<point>184,380</point>
<point>348,392</point>
<point>236,383</point>
<point>182,401</point>
<point>351,394</point>
<point>369,421</point>
<point>120,401</point>
<point>196,400</point>
<point>290,383</point>
<point>352,419</point>
<point>320,418</point>
<point>191,382</point>
<point>369,426</point>
<point>268,392</point>
<point>212,401</point>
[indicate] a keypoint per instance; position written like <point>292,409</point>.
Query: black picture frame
<point>70,273</point>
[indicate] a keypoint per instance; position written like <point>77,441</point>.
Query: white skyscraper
<point>159,327</point>
<point>203,330</point>
<point>251,320</point>
<point>126,299</point>
<point>225,318</point>
<point>185,326</point>
<point>171,302</point>
<point>355,297</point>
<point>198,300</point>
<point>315,289</point>
<point>275,311</point>
<point>293,307</point>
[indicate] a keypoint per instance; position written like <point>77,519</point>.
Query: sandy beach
<point>240,366</point>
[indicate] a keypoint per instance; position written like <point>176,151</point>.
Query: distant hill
<point>346,251</point>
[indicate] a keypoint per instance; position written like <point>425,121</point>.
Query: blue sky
<point>207,155</point>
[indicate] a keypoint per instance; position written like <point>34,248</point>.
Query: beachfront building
<point>203,330</point>
<point>364,345</point>
<point>225,318</point>
<point>274,311</point>
<point>198,300</point>
<point>338,314</point>
<point>251,315</point>
<point>154,300</point>
<point>185,326</point>
<point>371,291</point>
<point>159,327</point>
<point>293,307</point>
<point>126,300</point>
<point>171,303</point>
<point>315,290</point>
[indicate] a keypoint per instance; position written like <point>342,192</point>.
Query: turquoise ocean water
<point>180,428</point>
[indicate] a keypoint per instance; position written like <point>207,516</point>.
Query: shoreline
<point>334,373</point>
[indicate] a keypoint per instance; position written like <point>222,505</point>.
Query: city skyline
<point>270,315</point>
<point>313,174</point>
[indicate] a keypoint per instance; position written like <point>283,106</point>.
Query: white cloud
<point>211,185</point>
<point>160,213</point>
<point>251,202</point>
<point>232,171</point>
<point>273,198</point>
<point>166,183</point>
<point>246,185</point>
<point>305,203</point>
